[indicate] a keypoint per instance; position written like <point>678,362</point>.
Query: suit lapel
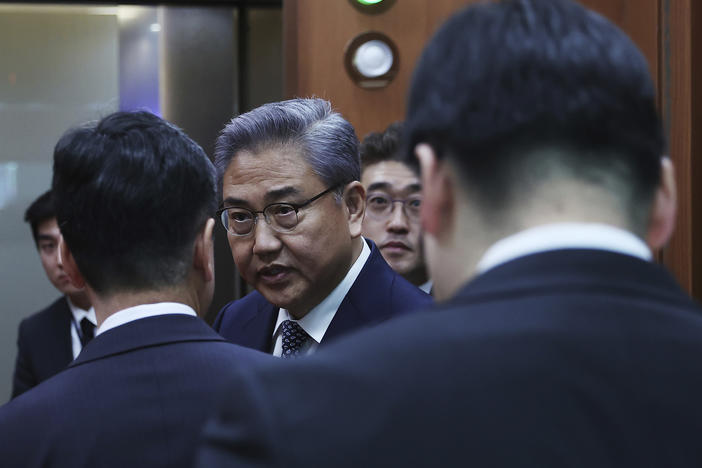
<point>367,300</point>
<point>257,330</point>
<point>61,329</point>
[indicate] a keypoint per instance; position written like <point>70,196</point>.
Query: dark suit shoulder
<point>248,321</point>
<point>169,370</point>
<point>407,297</point>
<point>57,311</point>
<point>239,310</point>
<point>382,292</point>
<point>43,346</point>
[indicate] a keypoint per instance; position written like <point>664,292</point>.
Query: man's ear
<point>355,202</point>
<point>68,263</point>
<point>664,207</point>
<point>203,254</point>
<point>437,192</point>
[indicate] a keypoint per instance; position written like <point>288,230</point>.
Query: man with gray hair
<point>293,208</point>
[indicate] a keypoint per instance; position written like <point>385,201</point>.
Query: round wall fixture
<point>371,60</point>
<point>372,6</point>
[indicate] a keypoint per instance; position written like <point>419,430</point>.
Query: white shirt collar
<point>79,314</point>
<point>142,311</point>
<point>426,287</point>
<point>317,320</point>
<point>563,236</point>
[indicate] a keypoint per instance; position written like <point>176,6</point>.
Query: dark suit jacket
<point>378,294</point>
<point>568,358</point>
<point>43,346</point>
<point>136,396</point>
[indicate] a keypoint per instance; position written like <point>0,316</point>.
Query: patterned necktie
<point>87,330</point>
<point>294,338</point>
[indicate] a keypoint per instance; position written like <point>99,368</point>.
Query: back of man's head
<point>131,193</point>
<point>519,93</point>
<point>39,211</point>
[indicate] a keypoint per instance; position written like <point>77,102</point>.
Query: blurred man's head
<point>393,200</point>
<point>292,202</point>
<point>42,218</point>
<point>134,199</point>
<point>560,125</point>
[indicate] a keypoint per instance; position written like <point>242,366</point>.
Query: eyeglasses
<point>281,217</point>
<point>381,206</point>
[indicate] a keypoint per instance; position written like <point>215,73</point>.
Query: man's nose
<point>59,260</point>
<point>265,239</point>
<point>398,218</point>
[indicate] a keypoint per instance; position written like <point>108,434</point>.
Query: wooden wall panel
<point>317,33</point>
<point>681,99</point>
<point>692,252</point>
<point>639,19</point>
<point>676,110</point>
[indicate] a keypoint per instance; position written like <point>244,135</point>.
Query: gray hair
<point>326,140</point>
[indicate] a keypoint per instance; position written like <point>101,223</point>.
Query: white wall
<point>57,69</point>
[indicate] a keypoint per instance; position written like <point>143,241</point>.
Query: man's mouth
<point>273,274</point>
<point>396,247</point>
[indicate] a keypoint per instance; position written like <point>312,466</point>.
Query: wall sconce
<point>372,6</point>
<point>371,60</point>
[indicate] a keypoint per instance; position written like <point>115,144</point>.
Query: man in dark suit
<point>51,338</point>
<point>293,208</point>
<point>560,342</point>
<point>393,203</point>
<point>134,198</point>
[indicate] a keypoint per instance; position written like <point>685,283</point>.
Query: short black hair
<point>131,193</point>
<point>377,147</point>
<point>502,81</point>
<point>40,210</point>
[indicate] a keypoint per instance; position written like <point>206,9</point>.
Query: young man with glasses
<point>393,201</point>
<point>293,209</point>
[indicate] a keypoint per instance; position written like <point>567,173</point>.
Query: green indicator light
<point>369,2</point>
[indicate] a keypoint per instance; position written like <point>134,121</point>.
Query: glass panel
<point>58,68</point>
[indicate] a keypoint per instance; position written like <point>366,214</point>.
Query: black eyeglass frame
<point>391,207</point>
<point>255,214</point>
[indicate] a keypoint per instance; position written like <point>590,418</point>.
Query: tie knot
<point>294,338</point>
<point>87,330</point>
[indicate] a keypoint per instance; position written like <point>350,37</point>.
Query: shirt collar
<point>563,236</point>
<point>317,320</point>
<point>79,314</point>
<point>142,311</point>
<point>426,287</point>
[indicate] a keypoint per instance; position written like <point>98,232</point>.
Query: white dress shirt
<point>563,236</point>
<point>317,320</point>
<point>78,314</point>
<point>143,311</point>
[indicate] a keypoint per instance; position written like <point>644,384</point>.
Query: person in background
<point>558,341</point>
<point>293,208</point>
<point>393,202</point>
<point>134,199</point>
<point>51,338</point>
